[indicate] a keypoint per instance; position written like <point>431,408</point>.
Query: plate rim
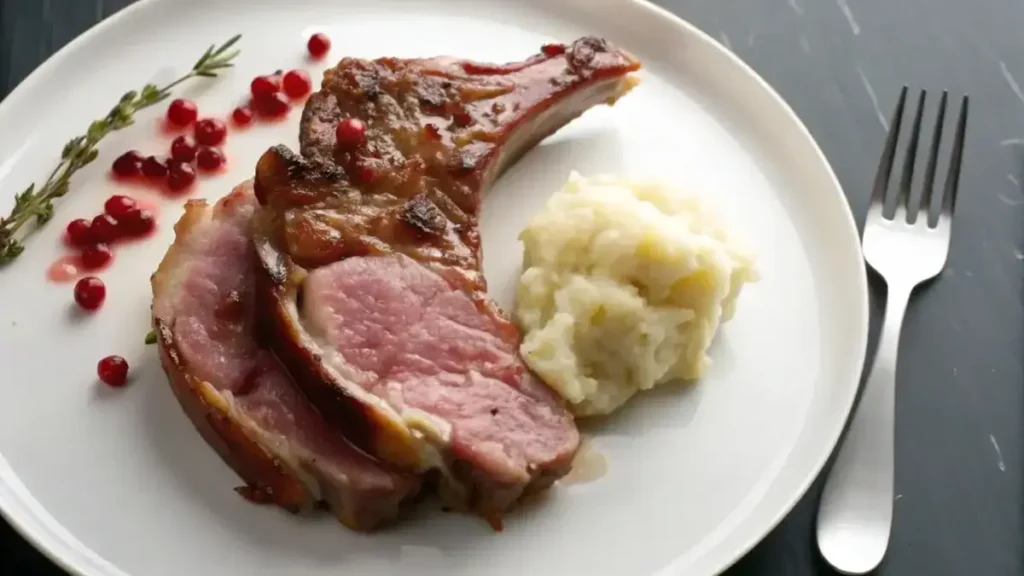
<point>32,522</point>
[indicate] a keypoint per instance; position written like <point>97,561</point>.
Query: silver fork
<point>906,248</point>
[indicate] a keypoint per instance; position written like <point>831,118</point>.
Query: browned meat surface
<point>238,396</point>
<point>371,257</point>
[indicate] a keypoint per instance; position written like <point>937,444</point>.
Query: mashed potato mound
<point>624,285</point>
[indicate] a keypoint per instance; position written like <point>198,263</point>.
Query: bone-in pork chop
<point>235,392</point>
<point>372,279</point>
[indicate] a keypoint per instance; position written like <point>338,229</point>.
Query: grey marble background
<point>840,63</point>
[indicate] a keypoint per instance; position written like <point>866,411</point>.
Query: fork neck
<point>897,298</point>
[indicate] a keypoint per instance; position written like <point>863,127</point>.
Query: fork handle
<point>855,513</point>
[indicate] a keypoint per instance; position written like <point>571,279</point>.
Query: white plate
<point>118,482</point>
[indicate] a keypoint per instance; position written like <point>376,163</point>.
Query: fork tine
<point>933,158</point>
<point>953,177</point>
<point>888,153</point>
<point>907,178</point>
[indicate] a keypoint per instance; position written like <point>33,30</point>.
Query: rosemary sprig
<point>36,204</point>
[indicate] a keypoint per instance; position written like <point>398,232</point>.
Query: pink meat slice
<point>419,342</point>
<point>235,391</point>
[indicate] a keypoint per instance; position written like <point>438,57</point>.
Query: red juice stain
<point>271,120</point>
<point>146,204</point>
<point>166,128</point>
<point>131,182</point>
<point>65,269</point>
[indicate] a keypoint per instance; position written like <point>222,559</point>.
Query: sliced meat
<point>237,394</point>
<point>372,284</point>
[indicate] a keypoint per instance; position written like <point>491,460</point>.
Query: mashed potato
<point>624,286</point>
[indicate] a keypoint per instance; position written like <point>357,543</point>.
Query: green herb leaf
<point>231,42</point>
<point>10,249</point>
<point>90,156</point>
<point>24,198</point>
<point>96,130</point>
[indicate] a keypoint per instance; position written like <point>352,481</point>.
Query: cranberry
<point>96,256</point>
<point>113,371</point>
<point>181,176</point>
<point>264,85</point>
<point>182,112</point>
<point>318,45</point>
<point>80,233</point>
<point>154,168</point>
<point>462,118</point>
<point>138,223</point>
<point>361,172</point>
<point>350,133</point>
<point>90,292</point>
<point>242,116</point>
<point>183,148</point>
<point>210,158</point>
<point>552,50</point>
<point>296,84</point>
<point>210,131</point>
<point>119,206</point>
<point>272,105</point>
<point>128,164</point>
<point>104,228</point>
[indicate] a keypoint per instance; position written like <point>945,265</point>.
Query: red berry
<point>128,164</point>
<point>272,105</point>
<point>318,45</point>
<point>242,116</point>
<point>361,172</point>
<point>138,223</point>
<point>462,118</point>
<point>113,371</point>
<point>154,168</point>
<point>104,228</point>
<point>96,256</point>
<point>119,206</point>
<point>210,131</point>
<point>210,158</point>
<point>183,148</point>
<point>264,85</point>
<point>181,176</point>
<point>552,50</point>
<point>296,84</point>
<point>350,133</point>
<point>90,292</point>
<point>182,112</point>
<point>80,233</point>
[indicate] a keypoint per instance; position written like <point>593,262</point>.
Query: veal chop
<point>370,249</point>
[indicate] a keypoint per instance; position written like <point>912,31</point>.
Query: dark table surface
<point>839,63</point>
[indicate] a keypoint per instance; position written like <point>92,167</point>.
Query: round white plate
<point>118,482</point>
